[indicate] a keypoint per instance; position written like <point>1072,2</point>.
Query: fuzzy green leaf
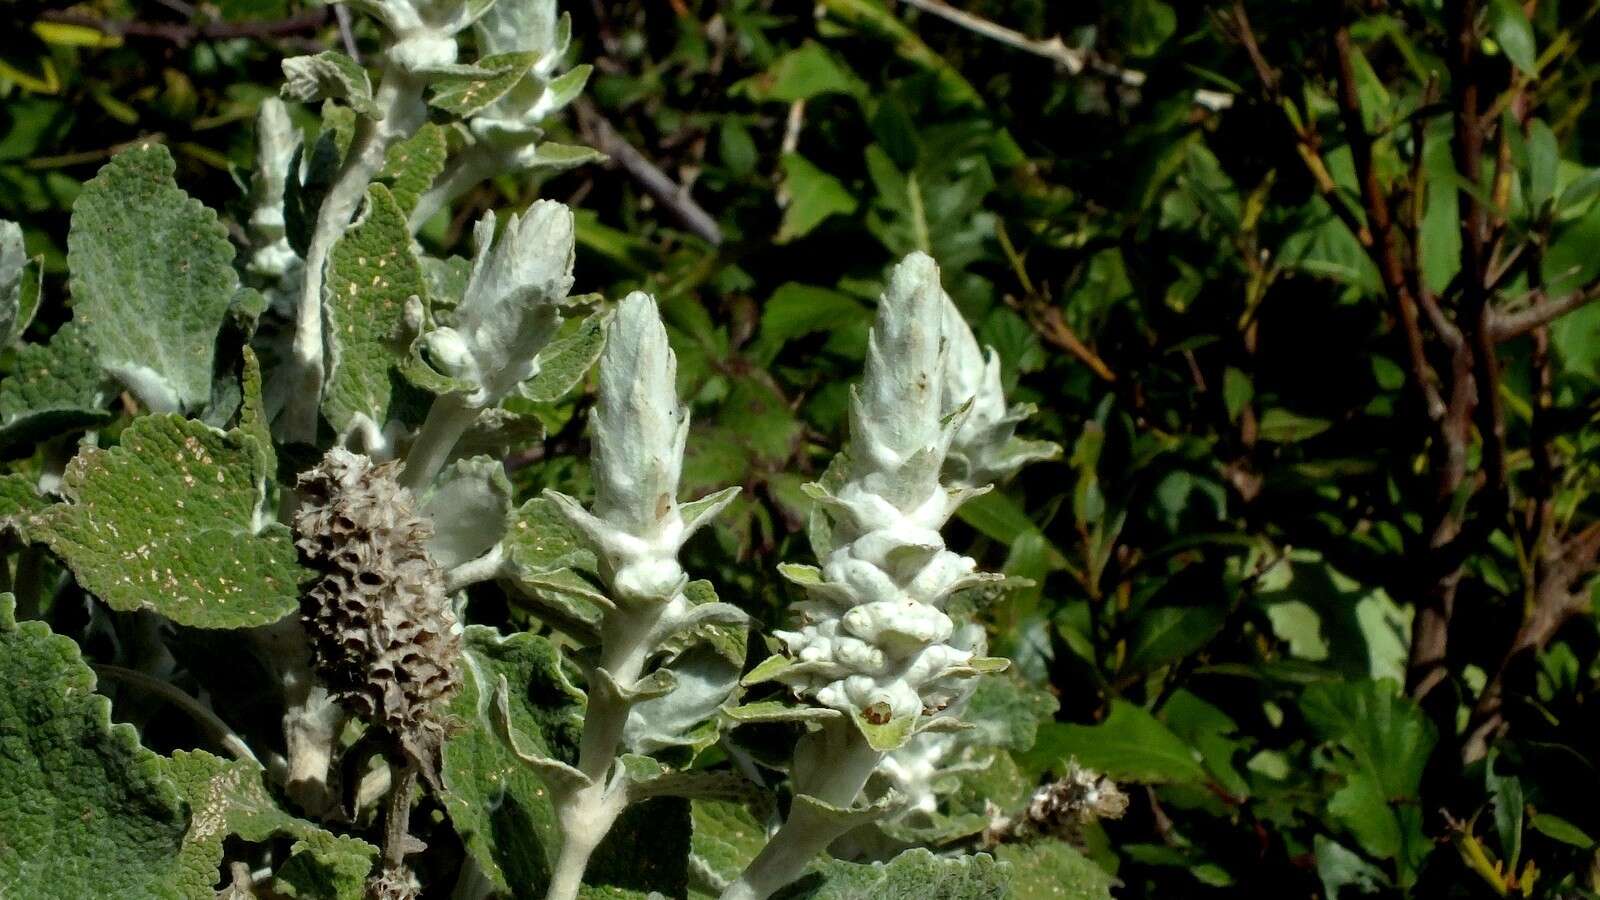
<point>230,797</point>
<point>1054,870</point>
<point>20,282</point>
<point>152,278</point>
<point>411,165</point>
<point>913,875</point>
<point>56,388</point>
<point>329,75</point>
<point>500,807</point>
<point>170,520</point>
<point>372,272</point>
<point>85,810</point>
<point>324,866</point>
<point>564,361</point>
<point>469,95</point>
<point>726,838</point>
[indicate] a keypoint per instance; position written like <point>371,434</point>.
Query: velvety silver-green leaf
<point>1054,870</point>
<point>550,555</point>
<point>324,866</point>
<point>56,388</point>
<point>913,875</point>
<point>152,278</point>
<point>726,838</point>
<point>565,360</point>
<point>19,500</point>
<point>500,807</point>
<point>329,75</point>
<point>85,810</point>
<point>20,283</point>
<point>372,272</point>
<point>411,165</point>
<point>470,95</point>
<point>470,505</point>
<point>230,797</point>
<point>170,520</point>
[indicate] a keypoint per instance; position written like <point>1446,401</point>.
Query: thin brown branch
<point>1385,252</point>
<point>1053,49</point>
<point>1308,144</point>
<point>655,182</point>
<point>1558,597</point>
<point>184,34</point>
<point>1506,326</point>
<point>1047,320</point>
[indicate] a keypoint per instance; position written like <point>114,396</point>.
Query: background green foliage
<point>1259,508</point>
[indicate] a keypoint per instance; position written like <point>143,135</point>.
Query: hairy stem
<point>839,763</point>
<point>397,840</point>
<point>399,101</point>
<point>587,814</point>
<point>448,419</point>
<point>311,718</point>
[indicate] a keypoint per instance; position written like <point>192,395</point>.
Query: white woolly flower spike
<point>638,429</point>
<point>986,449</point>
<point>635,527</point>
<point>511,306</point>
<point>875,644</point>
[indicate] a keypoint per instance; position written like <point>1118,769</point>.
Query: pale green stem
<point>399,101</point>
<point>448,419</point>
<point>836,777</point>
<point>587,814</point>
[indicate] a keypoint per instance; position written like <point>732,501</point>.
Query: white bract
<point>510,311</point>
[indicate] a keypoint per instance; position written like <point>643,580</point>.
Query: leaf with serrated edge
<point>85,810</point>
<point>56,388</point>
<point>170,520</point>
<point>323,866</point>
<point>1053,870</point>
<point>372,272</point>
<point>913,875</point>
<point>500,807</point>
<point>726,838</point>
<point>152,278</point>
<point>230,797</point>
<point>329,75</point>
